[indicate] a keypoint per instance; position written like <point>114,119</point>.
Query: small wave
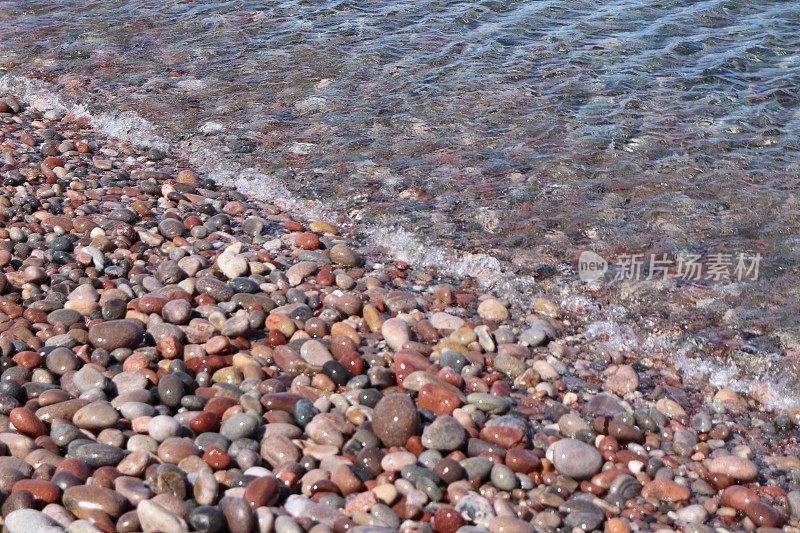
<point>126,126</point>
<point>486,270</point>
<point>762,376</point>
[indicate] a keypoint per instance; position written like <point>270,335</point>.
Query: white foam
<point>129,126</point>
<point>126,126</point>
<point>619,337</point>
<point>402,244</point>
<point>772,385</point>
<point>486,270</point>
<point>36,92</point>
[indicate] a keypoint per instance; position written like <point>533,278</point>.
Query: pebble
<point>738,468</point>
<point>155,518</point>
<point>395,419</point>
<point>29,521</point>
<point>240,426</point>
<point>444,434</point>
<point>538,332</point>
<point>116,334</point>
<point>665,490</point>
<point>493,309</point>
<point>163,427</point>
<point>344,255</point>
<point>96,455</point>
<point>695,514</point>
<point>477,509</point>
<point>177,312</point>
<point>510,524</point>
<point>232,265</point>
<point>445,321</point>
<point>576,459</point>
<point>396,333</point>
<point>504,478</point>
<point>623,381</point>
<point>96,415</point>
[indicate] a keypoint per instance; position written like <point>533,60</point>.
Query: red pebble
<point>447,520</point>
<point>217,459</point>
<point>26,422</point>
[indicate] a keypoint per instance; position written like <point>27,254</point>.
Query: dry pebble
<point>178,357</point>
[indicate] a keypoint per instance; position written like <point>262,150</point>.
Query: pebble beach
<point>177,356</point>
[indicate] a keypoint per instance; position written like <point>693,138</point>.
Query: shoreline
<point>285,327</point>
<point>402,243</point>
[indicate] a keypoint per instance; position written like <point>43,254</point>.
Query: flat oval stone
<point>277,449</point>
<point>83,500</point>
<point>154,517</point>
<point>238,514</point>
<point>763,515</point>
<point>64,317</point>
<point>175,449</point>
<point>576,459</point>
<point>61,411</point>
<point>171,390</point>
<point>217,289</point>
<point>26,422</point>
<point>738,468</point>
<point>262,492</point>
<point>510,524</point>
<point>504,478</point>
<point>438,399</point>
<point>96,415</point>
<point>170,228</point>
<point>96,455</point>
<point>116,334</point>
<point>665,490</point>
<point>240,425</point>
<point>738,497</point>
<point>29,521</point>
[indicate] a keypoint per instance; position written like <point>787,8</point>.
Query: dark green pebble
<point>208,519</point>
<point>454,360</point>
<point>206,441</point>
<point>333,500</point>
<point>304,411</point>
<point>96,455</point>
<point>369,397</point>
<point>339,374</point>
<point>244,285</point>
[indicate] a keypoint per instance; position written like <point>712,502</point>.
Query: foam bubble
<point>129,126</point>
<point>619,337</point>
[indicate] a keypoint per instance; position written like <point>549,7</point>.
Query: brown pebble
<point>261,492</point>
<point>447,520</point>
<point>26,422</point>
<point>763,514</point>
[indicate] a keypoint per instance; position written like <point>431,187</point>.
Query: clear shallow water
<point>490,124</point>
<point>523,131</point>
